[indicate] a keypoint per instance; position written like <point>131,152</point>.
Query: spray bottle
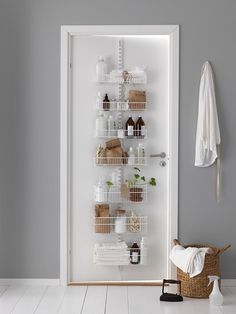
<point>216,297</point>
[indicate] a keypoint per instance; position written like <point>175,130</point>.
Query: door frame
<point>67,33</point>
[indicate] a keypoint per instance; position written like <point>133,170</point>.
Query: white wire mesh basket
<point>121,133</point>
<point>120,225</point>
<point>115,194</point>
<point>115,254</point>
<point>121,106</point>
<point>120,78</point>
<point>120,161</point>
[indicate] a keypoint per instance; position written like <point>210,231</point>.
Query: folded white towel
<point>112,259</point>
<point>124,253</point>
<point>190,260</point>
<point>111,254</point>
<point>111,246</point>
<point>113,263</point>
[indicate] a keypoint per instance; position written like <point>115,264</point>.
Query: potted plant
<point>135,185</point>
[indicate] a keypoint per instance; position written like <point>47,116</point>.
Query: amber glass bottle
<point>140,128</point>
<point>106,103</point>
<point>130,127</point>
<point>135,254</point>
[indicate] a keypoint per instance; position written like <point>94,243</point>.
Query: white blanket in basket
<point>190,260</point>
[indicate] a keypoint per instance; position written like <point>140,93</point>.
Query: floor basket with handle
<point>197,287</point>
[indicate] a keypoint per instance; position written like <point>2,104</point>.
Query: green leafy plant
<point>138,178</point>
<point>109,184</point>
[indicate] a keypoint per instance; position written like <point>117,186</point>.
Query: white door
<point>151,211</point>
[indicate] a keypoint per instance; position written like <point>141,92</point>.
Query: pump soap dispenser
<point>216,297</point>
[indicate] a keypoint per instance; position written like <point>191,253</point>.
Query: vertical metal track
<point>120,97</point>
<point>120,88</point>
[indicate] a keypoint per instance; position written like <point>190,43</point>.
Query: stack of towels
<point>113,254</point>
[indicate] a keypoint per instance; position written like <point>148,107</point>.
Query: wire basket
<point>121,105</point>
<point>126,224</point>
<point>136,194</point>
<point>120,161</point>
<point>197,287</point>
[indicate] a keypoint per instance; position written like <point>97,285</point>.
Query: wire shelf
<point>121,133</point>
<point>109,254</point>
<point>120,225</point>
<point>121,106</point>
<point>120,161</point>
<point>120,79</point>
<point>116,194</point>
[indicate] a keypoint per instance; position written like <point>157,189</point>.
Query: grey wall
<point>29,121</point>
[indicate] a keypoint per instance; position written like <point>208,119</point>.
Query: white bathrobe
<point>208,133</point>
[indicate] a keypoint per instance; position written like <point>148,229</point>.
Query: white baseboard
<point>228,282</point>
<point>29,282</point>
<point>56,282</point>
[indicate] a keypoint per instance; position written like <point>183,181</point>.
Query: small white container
<point>101,70</point>
<point>143,248</point>
<point>111,126</point>
<point>101,124</point>
<point>99,101</point>
<point>140,154</point>
<point>120,222</point>
<point>120,133</point>
<point>100,192</point>
<point>120,225</point>
<point>131,158</point>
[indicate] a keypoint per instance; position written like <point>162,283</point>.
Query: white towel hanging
<point>208,132</point>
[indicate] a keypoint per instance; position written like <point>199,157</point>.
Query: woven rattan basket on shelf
<point>197,287</point>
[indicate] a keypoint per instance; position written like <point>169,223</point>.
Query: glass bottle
<point>140,128</point>
<point>130,126</point>
<point>106,103</point>
<point>135,254</point>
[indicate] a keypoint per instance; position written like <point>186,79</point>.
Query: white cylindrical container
<point>100,127</point>
<point>120,225</point>
<point>113,104</point>
<point>140,155</point>
<point>101,70</point>
<point>111,126</point>
<point>99,101</point>
<point>120,130</point>
<point>120,221</point>
<point>120,133</point>
<point>131,158</point>
<point>143,249</point>
<point>143,131</point>
<point>100,192</point>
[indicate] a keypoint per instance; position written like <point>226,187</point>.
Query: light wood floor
<point>103,300</point>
